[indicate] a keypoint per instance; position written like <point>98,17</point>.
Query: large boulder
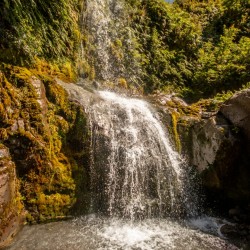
<point>237,111</point>
<point>213,149</point>
<point>218,146</point>
<point>11,209</point>
<point>210,137</point>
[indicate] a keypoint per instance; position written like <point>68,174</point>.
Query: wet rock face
<point>221,156</point>
<point>41,94</point>
<point>218,146</point>
<point>46,140</point>
<point>214,151</point>
<point>209,136</point>
<point>10,206</point>
<point>237,111</point>
<point>238,233</point>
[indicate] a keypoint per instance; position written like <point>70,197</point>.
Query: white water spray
<point>142,174</point>
<point>138,171</point>
<point>110,46</point>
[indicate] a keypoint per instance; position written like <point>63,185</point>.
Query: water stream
<point>110,46</point>
<point>139,194</point>
<point>140,175</point>
<point>141,197</point>
<point>99,233</point>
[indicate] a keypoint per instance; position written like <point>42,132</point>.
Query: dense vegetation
<point>39,29</point>
<point>198,48</point>
<point>39,43</point>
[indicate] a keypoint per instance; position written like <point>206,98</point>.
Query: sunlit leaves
<point>225,65</point>
<point>31,28</point>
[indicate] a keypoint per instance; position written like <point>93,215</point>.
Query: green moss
<point>65,71</point>
<point>116,49</point>
<point>175,117</point>
<point>39,29</point>
<point>122,83</point>
<point>188,110</point>
<point>38,140</point>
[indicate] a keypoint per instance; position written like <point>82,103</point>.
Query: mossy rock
<point>39,140</point>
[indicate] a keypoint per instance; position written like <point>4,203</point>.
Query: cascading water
<point>110,43</point>
<point>142,174</point>
<point>135,174</point>
<point>135,171</point>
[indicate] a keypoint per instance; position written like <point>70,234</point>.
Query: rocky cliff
<point>11,207</point>
<point>147,45</point>
<point>44,149</point>
<point>217,145</point>
<point>215,141</point>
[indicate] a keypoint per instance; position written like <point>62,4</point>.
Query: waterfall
<point>142,172</point>
<point>137,178</point>
<point>135,171</point>
<point>110,44</point>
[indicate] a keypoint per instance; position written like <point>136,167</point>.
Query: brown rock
<point>10,206</point>
<point>4,153</point>
<point>237,110</point>
<point>229,230</point>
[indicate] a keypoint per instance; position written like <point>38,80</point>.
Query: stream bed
<point>94,232</point>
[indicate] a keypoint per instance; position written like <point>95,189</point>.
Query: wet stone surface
<point>94,233</point>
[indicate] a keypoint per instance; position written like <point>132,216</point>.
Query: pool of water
<point>94,232</point>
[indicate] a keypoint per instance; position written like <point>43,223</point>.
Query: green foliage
<point>237,13</point>
<point>224,66</point>
<point>168,41</point>
<point>195,48</point>
<point>38,28</point>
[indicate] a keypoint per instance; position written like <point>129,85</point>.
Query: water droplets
<point>144,172</point>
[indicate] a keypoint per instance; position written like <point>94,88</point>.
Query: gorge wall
<point>44,149</point>
<point>217,145</point>
<point>215,141</point>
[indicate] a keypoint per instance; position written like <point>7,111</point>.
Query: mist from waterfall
<point>141,175</point>
<point>138,183</point>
